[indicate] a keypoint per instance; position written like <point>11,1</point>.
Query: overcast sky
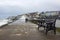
<point>15,7</point>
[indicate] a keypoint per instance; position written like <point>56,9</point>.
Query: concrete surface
<point>20,30</point>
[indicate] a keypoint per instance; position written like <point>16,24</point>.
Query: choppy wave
<point>3,22</point>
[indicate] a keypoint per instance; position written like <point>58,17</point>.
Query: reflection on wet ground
<point>20,30</point>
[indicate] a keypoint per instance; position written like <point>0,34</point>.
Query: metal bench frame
<point>51,27</point>
<point>48,27</point>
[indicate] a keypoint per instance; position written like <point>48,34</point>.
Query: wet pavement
<point>20,30</point>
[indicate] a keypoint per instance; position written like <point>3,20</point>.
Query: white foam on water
<point>23,17</point>
<point>20,21</point>
<point>3,22</point>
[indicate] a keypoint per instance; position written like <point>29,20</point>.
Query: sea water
<point>3,22</point>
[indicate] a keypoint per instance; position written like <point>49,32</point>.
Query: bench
<point>41,23</point>
<point>50,25</point>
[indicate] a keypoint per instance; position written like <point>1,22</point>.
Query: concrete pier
<point>20,30</point>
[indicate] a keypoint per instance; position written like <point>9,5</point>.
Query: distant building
<point>32,15</point>
<point>48,13</point>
